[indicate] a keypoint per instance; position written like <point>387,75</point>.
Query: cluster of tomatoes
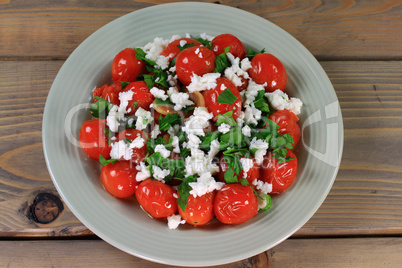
<point>235,202</point>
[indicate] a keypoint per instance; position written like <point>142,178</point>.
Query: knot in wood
<point>46,208</point>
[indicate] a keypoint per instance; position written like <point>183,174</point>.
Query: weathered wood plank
<point>339,29</point>
<point>366,197</point>
<point>340,252</point>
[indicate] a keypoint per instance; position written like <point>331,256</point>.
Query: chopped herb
<point>204,42</point>
<point>208,138</point>
<point>161,102</point>
<point>234,137</point>
<point>221,61</point>
<point>251,53</point>
<point>269,202</point>
<point>101,108</point>
<point>127,141</point>
<point>109,134</point>
<point>226,97</point>
<point>169,120</point>
<point>141,55</point>
<point>230,176</point>
<point>185,46</point>
<point>105,162</point>
<point>280,155</point>
<point>226,118</point>
<point>184,191</point>
<point>124,84</point>
<point>135,105</point>
<point>261,102</point>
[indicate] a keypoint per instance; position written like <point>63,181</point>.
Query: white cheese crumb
<point>198,121</point>
<point>206,37</point>
<point>199,163</point>
<point>261,147</point>
<point>205,184</point>
<point>153,52</point>
<point>240,119</point>
<point>143,118</point>
<point>252,91</point>
<point>143,172</point>
<point>175,144</point>
<point>159,173</point>
<point>263,187</point>
<point>174,221</point>
<point>192,142</point>
<point>201,83</point>
<point>214,149</point>
<point>246,164</point>
<point>181,100</point>
<point>183,43</point>
<point>125,97</point>
<point>246,130</point>
<point>159,93</point>
<point>122,150</point>
<point>252,114</point>
<point>279,100</point>
<point>113,118</point>
<point>234,72</point>
<point>160,148</point>
<point>155,132</point>
<point>224,128</point>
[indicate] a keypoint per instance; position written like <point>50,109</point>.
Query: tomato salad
<point>195,129</point>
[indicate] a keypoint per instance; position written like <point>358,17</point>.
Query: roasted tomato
<point>266,68</point>
<point>119,179</point>
<point>93,139</point>
<point>126,67</point>
<point>280,175</point>
<point>287,122</point>
<point>213,104</point>
<point>157,198</point>
<point>109,93</point>
<point>194,60</point>
<point>142,96</point>
<point>235,204</point>
<point>131,134</point>
<point>252,174</point>
<point>220,42</point>
<point>199,210</point>
<point>172,50</point>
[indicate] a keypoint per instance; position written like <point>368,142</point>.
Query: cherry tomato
<point>126,67</point>
<point>282,175</point>
<point>211,98</point>
<point>287,122</point>
<point>156,198</point>
<point>119,178</point>
<point>220,42</point>
<point>266,68</point>
<point>194,60</point>
<point>252,174</point>
<point>93,139</point>
<point>131,134</point>
<point>199,210</point>
<point>235,204</point>
<point>142,96</point>
<point>109,93</point>
<point>172,49</point>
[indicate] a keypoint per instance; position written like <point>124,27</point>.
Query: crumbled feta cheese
<point>124,150</point>
<point>263,187</point>
<point>206,37</point>
<point>224,128</point>
<point>143,172</point>
<point>174,221</point>
<point>155,132</point>
<point>153,52</point>
<point>246,164</point>
<point>175,144</point>
<point>183,43</point>
<point>214,149</point>
<point>174,130</point>
<point>143,118</point>
<point>234,72</point>
<point>252,91</point>
<point>160,148</point>
<point>204,184</point>
<point>279,100</point>
<point>261,147</point>
<point>201,83</point>
<point>181,100</point>
<point>246,130</point>
<point>113,118</point>
<point>240,119</point>
<point>198,121</point>
<point>125,97</point>
<point>199,163</point>
<point>159,173</point>
<point>138,142</point>
<point>159,93</point>
<point>252,114</point>
<point>193,142</point>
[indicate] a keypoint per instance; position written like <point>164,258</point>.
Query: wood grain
<point>340,30</point>
<point>341,252</point>
<point>365,199</point>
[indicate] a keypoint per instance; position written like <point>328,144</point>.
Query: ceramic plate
<point>128,228</point>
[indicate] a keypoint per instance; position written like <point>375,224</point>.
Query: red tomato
<point>126,67</point>
<point>109,93</point>
<point>194,60</point>
<point>93,139</point>
<point>199,210</point>
<point>220,42</point>
<point>252,174</point>
<point>235,204</point>
<point>131,134</point>
<point>119,179</point>
<point>156,198</point>
<point>266,68</point>
<point>141,94</point>
<point>172,50</point>
<point>282,175</point>
<point>211,98</point>
<point>287,122</point>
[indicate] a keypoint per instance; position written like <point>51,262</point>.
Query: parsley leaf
<point>169,120</point>
<point>230,176</point>
<point>226,118</point>
<point>101,108</point>
<point>140,55</point>
<point>161,102</point>
<point>269,202</point>
<point>124,84</point>
<point>105,162</point>
<point>204,42</point>
<point>280,155</point>
<point>185,46</point>
<point>221,61</point>
<point>183,191</point>
<point>207,139</point>
<point>226,97</point>
<point>234,137</point>
<point>251,53</point>
<point>261,102</point>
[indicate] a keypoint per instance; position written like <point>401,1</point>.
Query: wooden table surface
<point>358,43</point>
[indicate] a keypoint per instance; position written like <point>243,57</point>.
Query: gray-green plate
<point>122,223</point>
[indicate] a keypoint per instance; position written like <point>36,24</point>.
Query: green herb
<point>244,182</point>
<point>161,102</point>
<point>109,134</point>
<point>141,55</point>
<point>230,176</point>
<point>101,108</point>
<point>183,191</point>
<point>187,109</point>
<point>204,42</point>
<point>280,155</point>
<point>269,202</point>
<point>185,46</point>
<point>226,118</point>
<point>124,84</point>
<point>151,144</point>
<point>161,77</point>
<point>251,53</point>
<point>221,61</point>
<point>135,105</point>
<point>149,79</point>
<point>208,138</point>
<point>234,137</point>
<point>105,162</point>
<point>261,102</point>
<point>169,120</point>
<point>226,97</point>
